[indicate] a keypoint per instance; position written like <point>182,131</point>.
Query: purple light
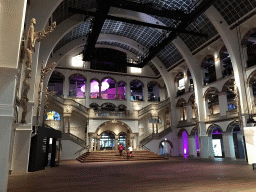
<point>185,142</point>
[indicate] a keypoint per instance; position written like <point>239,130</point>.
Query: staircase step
<point>113,155</point>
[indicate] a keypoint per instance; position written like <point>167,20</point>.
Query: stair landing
<point>113,155</point>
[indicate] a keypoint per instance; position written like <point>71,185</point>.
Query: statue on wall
<point>43,73</point>
<point>32,38</point>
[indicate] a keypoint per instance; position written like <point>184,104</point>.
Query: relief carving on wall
<point>44,71</point>
<point>32,38</point>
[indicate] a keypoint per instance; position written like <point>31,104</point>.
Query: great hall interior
<point>169,78</point>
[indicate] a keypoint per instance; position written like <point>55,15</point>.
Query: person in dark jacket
<point>120,148</point>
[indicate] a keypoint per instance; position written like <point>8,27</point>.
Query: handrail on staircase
<point>83,148</point>
<point>143,147</point>
<point>73,138</point>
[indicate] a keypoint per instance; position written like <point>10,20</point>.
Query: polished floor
<point>176,174</point>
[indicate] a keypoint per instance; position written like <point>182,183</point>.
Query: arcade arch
<point>56,83</point>
<point>183,142</point>
<point>165,147</point>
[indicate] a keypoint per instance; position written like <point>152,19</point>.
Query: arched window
<point>230,90</point>
<point>217,140</point>
<point>121,92</point>
<point>56,83</point>
<point>225,61</point>
<point>94,89</point>
<point>183,142</point>
<point>208,66</point>
<point>249,42</point>
<point>153,92</point>
<point>190,81</point>
<point>108,89</point>
<point>136,90</point>
<point>180,84</point>
<point>181,110</point>
<point>108,107</point>
<point>76,86</point>
<point>212,101</point>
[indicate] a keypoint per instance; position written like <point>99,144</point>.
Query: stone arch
<point>129,130</point>
<point>211,127</point>
<point>251,78</point>
<point>181,102</point>
<point>168,141</point>
<point>93,105</point>
<point>247,35</point>
<point>58,73</point>
<point>122,106</point>
<point>108,131</point>
<point>108,77</point>
<point>122,82</point>
<point>209,91</point>
<point>232,125</point>
<point>205,59</point>
<point>178,75</point>
<point>137,80</point>
<point>104,105</point>
<point>77,74</point>
<point>191,99</point>
<point>193,131</point>
<point>153,83</point>
<point>181,131</point>
<point>230,82</point>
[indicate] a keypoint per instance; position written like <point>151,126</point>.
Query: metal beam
<point>132,21</point>
<point>149,9</point>
<point>100,17</point>
<point>200,9</point>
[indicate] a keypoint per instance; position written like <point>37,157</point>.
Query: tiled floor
<point>176,174</point>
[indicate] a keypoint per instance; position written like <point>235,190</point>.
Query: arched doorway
<point>237,140</point>
<point>107,141</point>
<point>183,142</point>
<point>165,147</point>
<point>217,141</point>
<point>194,147</point>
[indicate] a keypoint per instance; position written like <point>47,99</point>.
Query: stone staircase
<point>113,155</point>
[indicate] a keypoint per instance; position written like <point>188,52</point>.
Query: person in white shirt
<point>130,149</point>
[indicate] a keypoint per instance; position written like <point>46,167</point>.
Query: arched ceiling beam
<point>200,9</point>
<point>132,21</point>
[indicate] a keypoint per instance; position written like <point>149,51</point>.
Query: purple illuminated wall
<point>197,143</point>
<point>108,89</point>
<point>77,86</point>
<point>185,143</point>
<point>94,89</point>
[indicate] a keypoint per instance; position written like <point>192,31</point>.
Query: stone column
<point>206,149</point>
<point>21,149</point>
<point>116,142</point>
<point>87,93</point>
<point>223,103</point>
<point>228,145</point>
<point>186,83</point>
<point>99,90</point>
<point>178,114</point>
<point>98,143</point>
<point>68,118</point>
<point>145,93</point>
<point>189,112</point>
<point>207,112</point>
<point>218,66</point>
<point>66,86</point>
<point>128,96</point>
<point>95,140</point>
<point>192,146</point>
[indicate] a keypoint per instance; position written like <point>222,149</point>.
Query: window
<point>53,115</point>
<point>77,61</point>
<point>136,70</point>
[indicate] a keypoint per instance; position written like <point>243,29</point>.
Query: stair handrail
<point>143,147</point>
<point>83,148</point>
<point>73,138</point>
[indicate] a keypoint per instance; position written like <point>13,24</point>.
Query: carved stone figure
<point>44,71</point>
<point>32,38</point>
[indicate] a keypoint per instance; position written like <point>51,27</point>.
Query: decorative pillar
<point>206,148</point>
<point>128,144</point>
<point>189,112</point>
<point>145,93</point>
<point>178,113</point>
<point>207,112</point>
<point>99,90</point>
<point>116,91</point>
<point>228,145</point>
<point>116,142</point>
<point>87,93</point>
<point>218,66</point>
<point>68,117</point>
<point>128,96</point>
<point>192,146</point>
<point>98,143</point>
<point>66,86</point>
<point>223,103</point>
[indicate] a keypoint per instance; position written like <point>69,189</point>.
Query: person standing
<point>120,148</point>
<point>130,150</point>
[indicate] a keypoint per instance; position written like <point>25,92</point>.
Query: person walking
<point>120,148</point>
<point>130,150</point>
